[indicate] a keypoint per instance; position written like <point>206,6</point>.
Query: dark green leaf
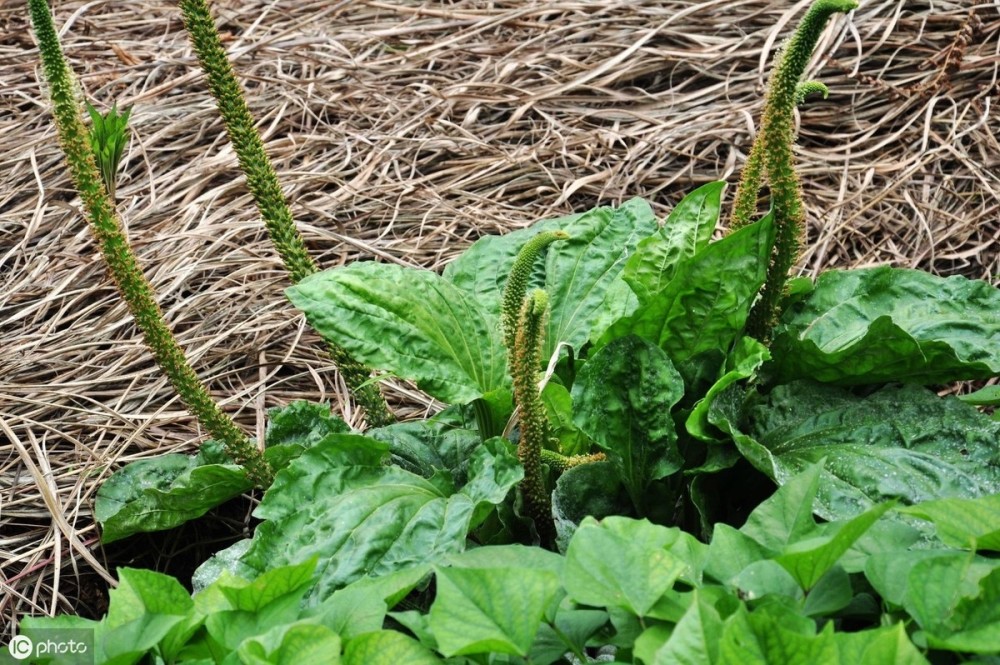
<point>699,313</point>
<point>890,324</point>
<point>622,400</point>
<point>163,492</point>
<point>301,423</point>
<point>685,233</point>
<point>902,442</point>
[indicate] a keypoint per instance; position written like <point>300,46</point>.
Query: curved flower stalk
<point>517,282</point>
<point>772,151</point>
<point>562,463</point>
<point>525,359</point>
<point>122,264</point>
<point>266,190</point>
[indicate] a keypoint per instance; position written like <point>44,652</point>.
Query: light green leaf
<point>166,491</point>
<point>763,638</point>
<point>901,442</point>
<point>786,516</point>
<point>731,551</point>
<point>695,639</point>
<point>890,324</point>
<point>809,560</point>
<point>621,562</point>
<point>963,523</point>
<point>490,610</point>
<point>412,323</point>
<point>974,624</point>
<point>340,503</point>
<point>296,644</point>
<point>685,233</point>
<point>387,647</point>
<point>831,593</point>
<point>622,400</point>
<point>882,646</point>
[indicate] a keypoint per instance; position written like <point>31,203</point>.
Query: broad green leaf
<point>298,644</point>
<point>974,623</point>
<point>271,600</point>
<point>809,560</point>
<point>963,523</point>
<point>340,503</point>
<point>787,515</point>
<point>766,579</point>
<point>695,639</point>
<point>166,491</point>
<point>731,551</point>
<point>901,442</point>
<point>490,610</point>
<point>699,313</point>
<point>686,232</point>
<point>763,638</point>
<point>880,646</point>
<point>412,323</point>
<point>146,608</point>
<point>352,611</point>
<point>622,400</point>
<point>387,647</point>
<point>621,562</point>
<point>890,324</point>
<point>954,596</point>
<point>577,273</point>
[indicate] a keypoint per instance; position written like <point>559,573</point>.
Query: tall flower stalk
<point>122,264</point>
<point>772,153</point>
<point>525,359</point>
<point>262,180</point>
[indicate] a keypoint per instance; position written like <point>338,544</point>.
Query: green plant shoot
<point>108,137</point>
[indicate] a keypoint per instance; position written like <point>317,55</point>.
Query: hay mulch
<point>402,132</point>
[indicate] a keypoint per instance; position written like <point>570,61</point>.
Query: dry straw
<point>403,132</point>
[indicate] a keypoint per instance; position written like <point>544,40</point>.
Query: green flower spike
<point>772,150</point>
<point>266,190</point>
<point>562,463</point>
<point>108,138</point>
<point>122,264</point>
<point>524,369</point>
<point>517,282</point>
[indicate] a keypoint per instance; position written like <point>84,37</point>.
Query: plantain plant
<point>648,460</point>
<point>118,255</point>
